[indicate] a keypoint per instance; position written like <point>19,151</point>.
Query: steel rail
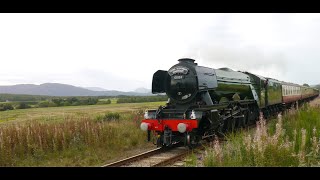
<point>135,158</point>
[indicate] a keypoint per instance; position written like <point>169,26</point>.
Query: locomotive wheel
<point>243,121</point>
<point>192,140</point>
<point>231,123</point>
<point>186,139</point>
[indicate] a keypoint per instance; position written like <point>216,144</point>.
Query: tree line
<point>54,102</point>
<point>49,101</point>
<point>138,99</point>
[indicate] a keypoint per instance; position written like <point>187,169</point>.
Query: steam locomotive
<point>205,102</point>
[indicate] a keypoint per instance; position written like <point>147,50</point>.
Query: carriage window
<point>286,91</point>
<point>289,89</point>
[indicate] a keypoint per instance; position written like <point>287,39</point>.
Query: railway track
<point>158,157</point>
<point>152,158</point>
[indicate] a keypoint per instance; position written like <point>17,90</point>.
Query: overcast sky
<point>122,51</point>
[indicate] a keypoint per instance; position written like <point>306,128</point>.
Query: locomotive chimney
<point>187,60</point>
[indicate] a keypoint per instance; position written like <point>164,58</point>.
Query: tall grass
<point>289,140</point>
<point>37,141</point>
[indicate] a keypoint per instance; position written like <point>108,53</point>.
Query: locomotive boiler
<point>205,102</point>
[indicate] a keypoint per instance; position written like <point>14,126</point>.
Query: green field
<point>76,111</point>
<point>90,135</point>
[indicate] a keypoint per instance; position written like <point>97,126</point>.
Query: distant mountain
<point>142,90</point>
<point>95,89</point>
<point>56,89</point>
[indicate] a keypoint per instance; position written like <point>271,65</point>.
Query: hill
<point>95,89</point>
<point>56,89</point>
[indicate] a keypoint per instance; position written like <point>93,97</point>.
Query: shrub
<point>6,106</point>
<point>47,104</point>
<point>43,104</point>
<point>23,105</point>
<point>108,116</point>
<point>112,116</point>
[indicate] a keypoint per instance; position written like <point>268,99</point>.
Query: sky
<point>122,51</point>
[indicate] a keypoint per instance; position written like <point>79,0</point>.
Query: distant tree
<point>23,105</point>
<point>6,106</point>
<point>76,103</point>
<point>52,104</point>
<point>66,103</point>
<point>137,99</point>
<point>43,104</point>
<point>57,101</point>
<point>306,85</point>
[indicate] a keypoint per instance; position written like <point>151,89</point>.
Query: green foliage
<point>6,106</point>
<point>291,140</point>
<point>108,116</point>
<point>22,97</point>
<point>191,160</point>
<point>23,105</point>
<point>108,101</point>
<point>138,99</point>
<point>69,101</point>
<point>31,101</point>
<point>46,104</point>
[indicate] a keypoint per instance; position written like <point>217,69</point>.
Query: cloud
<point>122,51</point>
<point>221,46</point>
<point>83,78</point>
<point>242,58</point>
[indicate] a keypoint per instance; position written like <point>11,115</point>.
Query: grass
<point>77,111</point>
<point>72,136</point>
<point>191,161</point>
<point>289,140</point>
